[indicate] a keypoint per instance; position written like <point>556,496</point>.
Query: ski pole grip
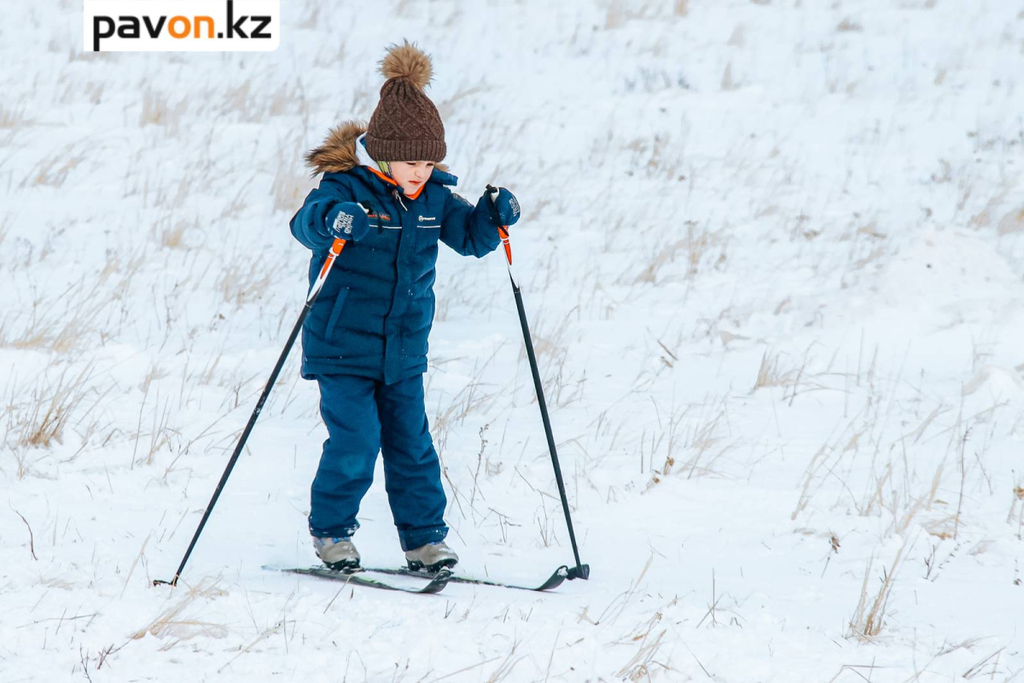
<point>495,216</point>
<point>502,229</point>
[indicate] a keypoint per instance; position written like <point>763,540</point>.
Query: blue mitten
<point>507,206</point>
<point>347,221</point>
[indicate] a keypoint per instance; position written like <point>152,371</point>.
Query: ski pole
<point>314,291</point>
<point>580,571</point>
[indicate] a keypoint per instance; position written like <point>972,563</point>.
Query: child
<point>365,339</point>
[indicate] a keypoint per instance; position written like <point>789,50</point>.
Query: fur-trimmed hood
<point>337,153</point>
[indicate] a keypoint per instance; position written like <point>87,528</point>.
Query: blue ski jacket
<point>374,313</point>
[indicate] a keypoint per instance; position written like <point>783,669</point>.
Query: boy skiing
<point>365,339</point>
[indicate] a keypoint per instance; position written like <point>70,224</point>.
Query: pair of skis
<point>440,580</point>
<point>435,582</point>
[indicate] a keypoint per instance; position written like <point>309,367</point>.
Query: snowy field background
<point>772,252</point>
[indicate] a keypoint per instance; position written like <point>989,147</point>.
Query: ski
<point>435,585</point>
<point>554,581</point>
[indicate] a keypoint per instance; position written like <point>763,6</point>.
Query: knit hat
<point>405,126</point>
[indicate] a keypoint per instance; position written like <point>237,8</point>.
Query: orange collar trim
<point>380,175</point>
<point>391,181</point>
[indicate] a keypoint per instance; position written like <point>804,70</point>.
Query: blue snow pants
<point>363,417</point>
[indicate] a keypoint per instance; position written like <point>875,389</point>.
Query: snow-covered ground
<point>772,251</point>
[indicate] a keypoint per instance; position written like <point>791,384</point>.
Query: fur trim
<point>409,62</point>
<point>338,151</point>
<point>337,154</point>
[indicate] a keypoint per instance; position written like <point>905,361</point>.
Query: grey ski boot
<point>337,553</point>
<point>431,557</point>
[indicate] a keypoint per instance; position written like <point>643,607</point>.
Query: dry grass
<point>696,246</point>
<point>31,536</point>
<point>826,460</point>
<point>620,12</point>
<point>266,633</point>
<point>160,432</point>
<point>60,323</point>
<point>43,420</point>
<point>903,507</point>
<point>552,345</point>
<point>291,181</point>
<point>769,374</point>
<point>504,668</point>
<point>12,119</point>
<point>705,434</point>
<point>1017,500</point>
<point>448,106</point>
<point>241,100</point>
<point>53,171</point>
<point>642,664</point>
<point>1012,222</point>
<point>170,624</point>
<point>700,443</point>
<point>616,15</point>
<point>618,605</point>
<point>285,97</point>
<point>664,256</point>
<point>171,232</point>
<point>244,280</point>
<point>849,25</point>
<point>869,616</point>
<point>157,111</point>
<point>728,81</point>
<point>470,399</point>
<point>547,525</point>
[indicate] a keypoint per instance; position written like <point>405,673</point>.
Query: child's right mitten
<point>346,221</point>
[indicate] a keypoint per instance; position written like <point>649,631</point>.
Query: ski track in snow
<point>772,255</point>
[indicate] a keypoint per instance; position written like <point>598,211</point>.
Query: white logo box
<point>181,25</point>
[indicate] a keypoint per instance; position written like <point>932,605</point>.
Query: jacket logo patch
<point>382,216</point>
<point>427,218</point>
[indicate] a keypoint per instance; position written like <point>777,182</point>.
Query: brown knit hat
<point>405,126</point>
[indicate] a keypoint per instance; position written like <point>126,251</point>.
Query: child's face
<point>410,175</point>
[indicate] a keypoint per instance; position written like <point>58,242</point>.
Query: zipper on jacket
<point>399,198</point>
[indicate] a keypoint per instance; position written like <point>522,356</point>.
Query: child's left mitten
<point>507,206</point>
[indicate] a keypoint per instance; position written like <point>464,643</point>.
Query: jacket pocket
<point>332,320</point>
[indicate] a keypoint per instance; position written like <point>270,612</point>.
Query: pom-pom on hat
<point>405,126</point>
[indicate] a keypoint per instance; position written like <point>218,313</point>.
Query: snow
<point>772,257</point>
